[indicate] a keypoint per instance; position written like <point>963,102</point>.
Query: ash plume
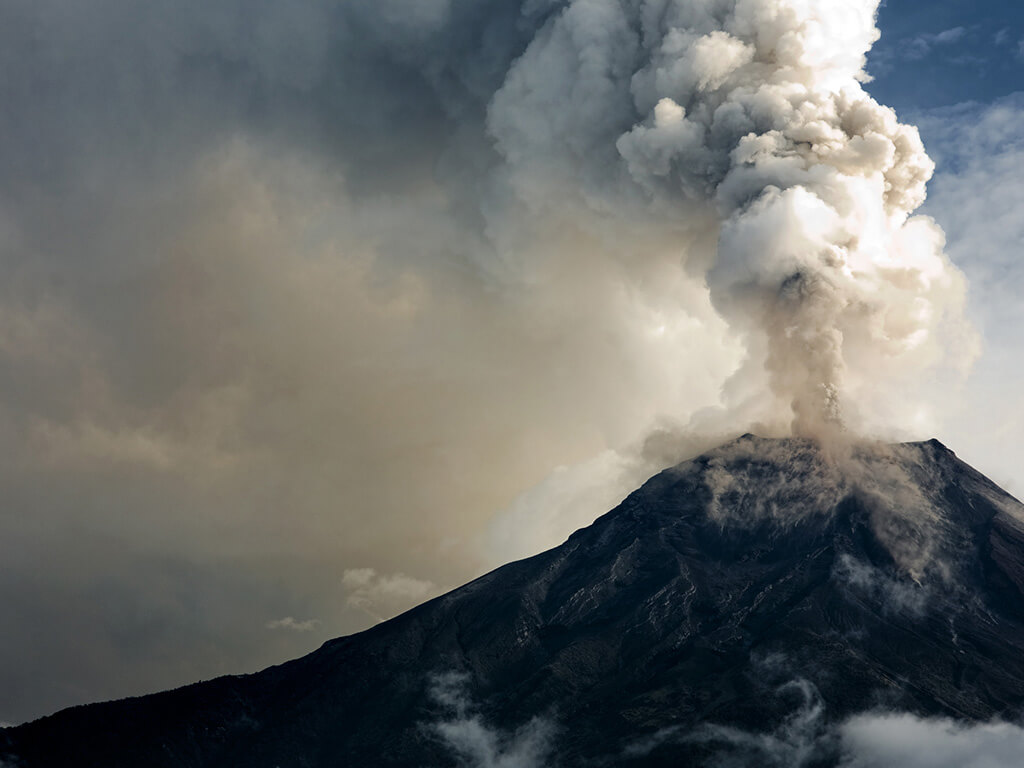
<point>674,162</point>
<point>751,123</point>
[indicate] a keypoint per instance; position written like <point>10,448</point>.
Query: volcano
<point>754,595</point>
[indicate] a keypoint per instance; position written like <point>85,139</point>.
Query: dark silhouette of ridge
<point>871,575</point>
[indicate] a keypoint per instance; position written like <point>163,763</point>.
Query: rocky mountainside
<point>749,597</point>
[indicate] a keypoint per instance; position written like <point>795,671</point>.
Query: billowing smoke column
<point>751,115</point>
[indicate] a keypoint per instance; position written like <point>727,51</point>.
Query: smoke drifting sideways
<point>560,147</point>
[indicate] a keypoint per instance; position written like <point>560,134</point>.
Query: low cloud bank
<point>869,740</point>
<point>887,740</point>
<point>475,743</point>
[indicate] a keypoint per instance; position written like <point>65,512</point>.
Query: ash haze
<point>314,310</point>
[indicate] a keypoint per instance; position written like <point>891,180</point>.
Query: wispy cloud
<point>887,57</point>
<point>294,625</point>
<point>922,45</point>
<point>479,745</point>
<point>801,739</point>
<point>384,595</point>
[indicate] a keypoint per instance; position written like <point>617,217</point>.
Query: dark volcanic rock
<point>867,576</point>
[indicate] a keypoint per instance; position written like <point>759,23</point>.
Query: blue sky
<point>933,54</point>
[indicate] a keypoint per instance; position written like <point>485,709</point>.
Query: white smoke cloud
<point>478,745</point>
<point>754,132</point>
<point>807,180</point>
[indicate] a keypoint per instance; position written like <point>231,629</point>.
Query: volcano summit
<point>756,605</point>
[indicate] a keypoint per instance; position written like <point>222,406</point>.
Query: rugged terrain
<point>766,585</point>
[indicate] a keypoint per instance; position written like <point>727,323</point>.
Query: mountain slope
<point>739,588</point>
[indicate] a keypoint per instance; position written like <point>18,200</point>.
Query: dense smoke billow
<point>295,291</point>
<point>745,122</point>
